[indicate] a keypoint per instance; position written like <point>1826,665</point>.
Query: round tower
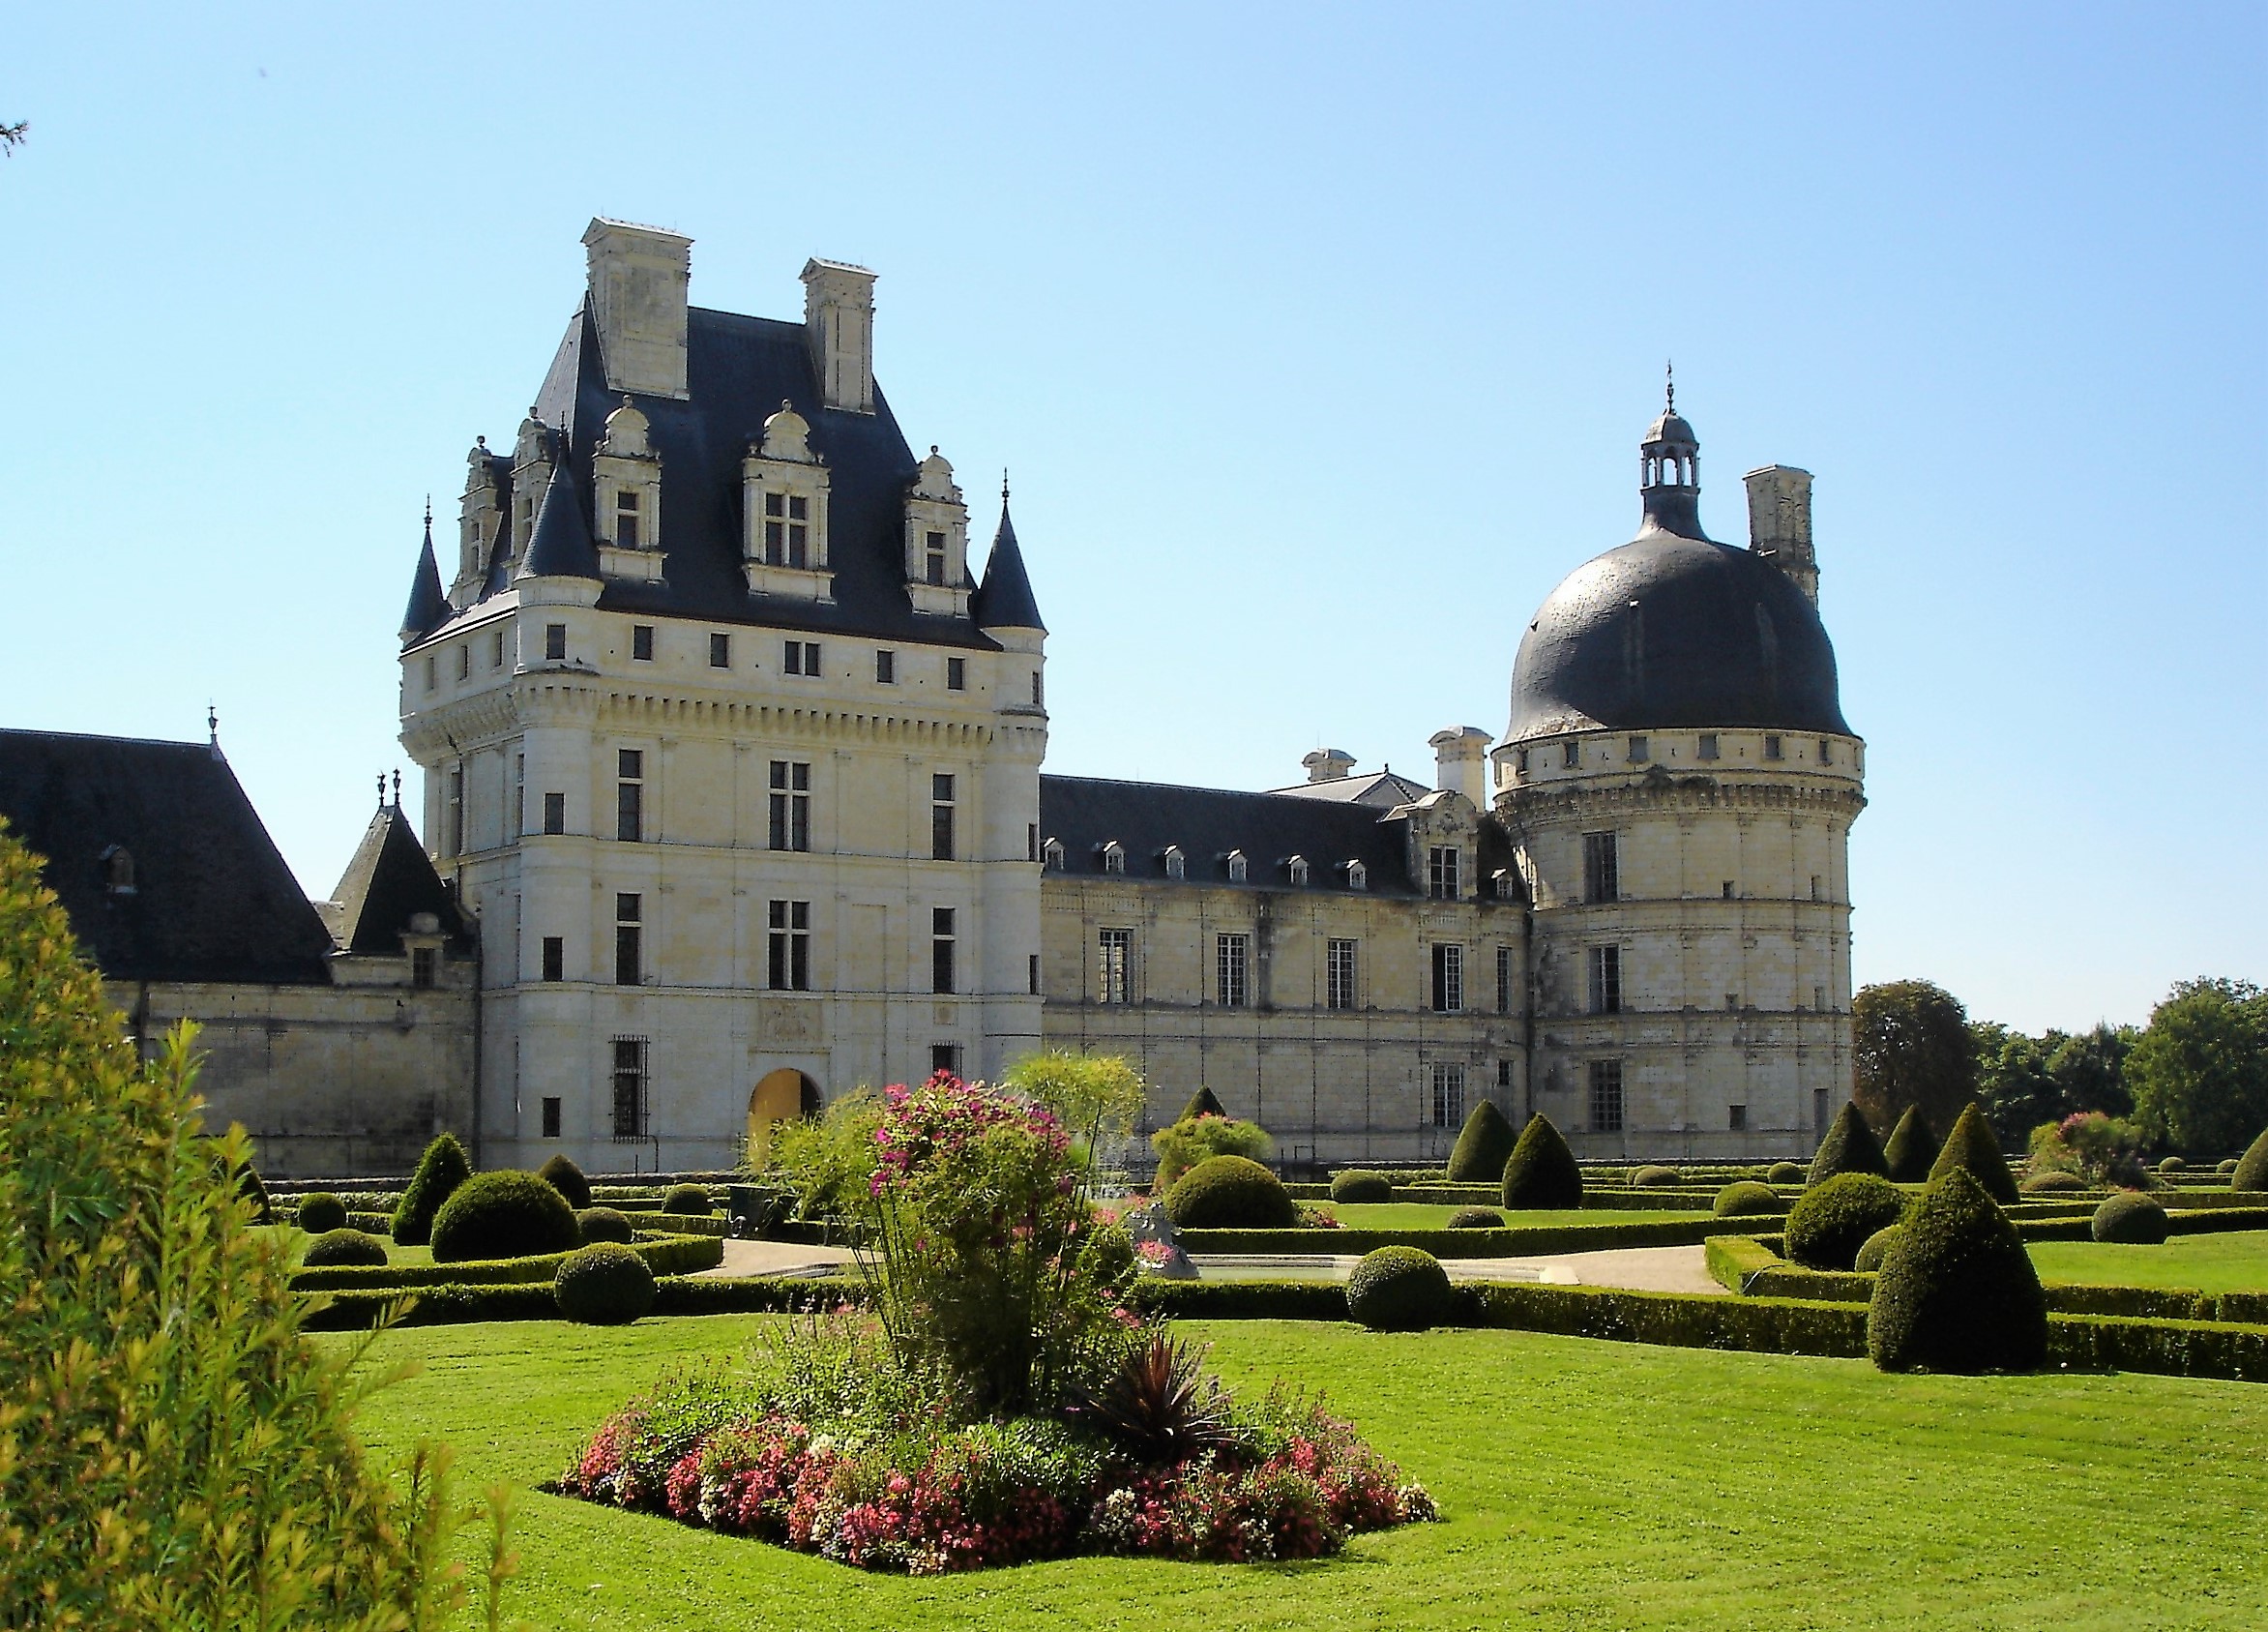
<point>1680,783</point>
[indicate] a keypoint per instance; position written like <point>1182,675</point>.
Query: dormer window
<point>1114,858</point>
<point>1176,862</point>
<point>934,558</point>
<point>626,520</point>
<point>936,539</point>
<point>1357,876</point>
<point>1239,868</point>
<point>627,474</point>
<point>117,871</point>
<point>1051,856</point>
<point>784,486</point>
<point>787,530</point>
<point>1297,867</point>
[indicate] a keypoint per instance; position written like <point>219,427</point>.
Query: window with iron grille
<point>1114,965</point>
<point>1607,1096</point>
<point>1342,967</point>
<point>1606,980</point>
<point>1601,868</point>
<point>630,1087</point>
<point>788,945</point>
<point>1231,970</point>
<point>1448,1107</point>
<point>1448,978</point>
<point>791,805</point>
<point>1505,995</point>
<point>424,965</point>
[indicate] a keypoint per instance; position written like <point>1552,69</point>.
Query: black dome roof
<point>1670,632</point>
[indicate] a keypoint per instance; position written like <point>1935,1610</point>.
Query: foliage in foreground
<point>173,1452</point>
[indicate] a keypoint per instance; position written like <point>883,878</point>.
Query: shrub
<point>1230,1192</point>
<point>1196,1139</point>
<point>2131,1218</point>
<point>1831,1221</point>
<point>2171,1165</point>
<point>607,1285</point>
<point>1784,1172</point>
<point>2228,1169</point>
<point>1542,1172</point>
<point>503,1215</point>
<point>1398,1290</point>
<point>249,1187</point>
<point>604,1224</point>
<point>1875,1249</point>
<point>1957,1293</point>
<point>1746,1198</point>
<point>2055,1181</point>
<point>1848,1148</point>
<point>830,1157</point>
<point>690,1199</point>
<point>1972,1148</point>
<point>563,1175</point>
<point>1476,1218</point>
<point>1203,1102</point>
<point>1910,1150</point>
<point>1483,1146</point>
<point>1655,1178</point>
<point>1356,1185</point>
<point>320,1213</point>
<point>344,1249</point>
<point>2252,1169</point>
<point>440,1170</point>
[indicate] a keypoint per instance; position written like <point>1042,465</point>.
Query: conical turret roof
<point>428,606</point>
<point>560,545</point>
<point>1004,600</point>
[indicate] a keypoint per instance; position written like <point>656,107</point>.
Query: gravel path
<point>776,1258</point>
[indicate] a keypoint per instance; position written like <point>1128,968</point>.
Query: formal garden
<point>1911,1383</point>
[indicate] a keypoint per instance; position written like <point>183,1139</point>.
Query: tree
<point>2014,1082</point>
<point>2199,1073</point>
<point>2090,1069</point>
<point>1097,1097</point>
<point>1914,1047</point>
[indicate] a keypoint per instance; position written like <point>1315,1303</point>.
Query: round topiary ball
<point>1957,1291</point>
<point>1785,1172</point>
<point>1655,1178</point>
<point>1746,1199</point>
<point>1476,1218</point>
<point>1230,1192</point>
<point>604,1224</point>
<point>1357,1185</point>
<point>1398,1290</point>
<point>607,1285</point>
<point>1876,1248</point>
<point>320,1213</point>
<point>2228,1169</point>
<point>564,1176</point>
<point>2252,1168</point>
<point>2055,1181</point>
<point>503,1215</point>
<point>1833,1220</point>
<point>2129,1218</point>
<point>344,1249</point>
<point>688,1200</point>
<point>2171,1165</point>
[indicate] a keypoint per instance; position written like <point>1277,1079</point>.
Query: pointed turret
<point>428,606</point>
<point>1004,598</point>
<point>560,545</point>
<point>389,887</point>
<point>1669,473</point>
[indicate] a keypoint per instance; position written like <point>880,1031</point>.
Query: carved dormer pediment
<point>479,520</point>
<point>936,539</point>
<point>626,497</point>
<point>784,488</point>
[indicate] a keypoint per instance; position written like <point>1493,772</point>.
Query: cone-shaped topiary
<point>1746,1198</point>
<point>503,1215</point>
<point>1910,1151</point>
<point>604,1224</point>
<point>2130,1219</point>
<point>1832,1221</point>
<point>1357,1185</point>
<point>344,1249</point>
<point>1542,1171</point>
<point>440,1170</point>
<point>1483,1146</point>
<point>1230,1192</point>
<point>1476,1218</point>
<point>249,1187</point>
<point>1875,1249</point>
<point>1203,1102</point>
<point>1398,1290</point>
<point>563,1175</point>
<point>2252,1168</point>
<point>320,1213</point>
<point>1972,1148</point>
<point>1655,1178</point>
<point>604,1286</point>
<point>1849,1147</point>
<point>1957,1293</point>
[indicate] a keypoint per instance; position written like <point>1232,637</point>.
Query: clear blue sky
<point>1319,340</point>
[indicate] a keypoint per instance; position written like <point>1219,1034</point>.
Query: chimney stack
<point>1328,764</point>
<point>1779,523</point>
<point>636,298</point>
<point>838,326</point>
<point>1461,763</point>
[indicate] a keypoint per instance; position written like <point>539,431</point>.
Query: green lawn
<point>1585,1485</point>
<point>2234,1262</point>
<point>1417,1215</point>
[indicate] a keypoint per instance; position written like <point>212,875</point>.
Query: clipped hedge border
<point>1518,1240</point>
<point>664,1254</point>
<point>360,1309</point>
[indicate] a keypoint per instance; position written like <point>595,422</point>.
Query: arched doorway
<point>782,1096</point>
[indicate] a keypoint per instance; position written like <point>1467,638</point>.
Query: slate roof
<point>1087,813</point>
<point>212,898</point>
<point>738,372</point>
<point>1383,790</point>
<point>1004,598</point>
<point>389,880</point>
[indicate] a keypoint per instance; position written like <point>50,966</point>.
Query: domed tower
<point>1680,783</point>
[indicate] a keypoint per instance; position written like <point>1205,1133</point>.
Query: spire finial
<point>429,517</point>
<point>398,787</point>
<point>1004,484</point>
<point>212,724</point>
<point>1669,384</point>
<point>381,791</point>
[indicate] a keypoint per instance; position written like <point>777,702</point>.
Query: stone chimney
<point>1328,764</point>
<point>1461,762</point>
<point>838,326</point>
<point>1779,523</point>
<point>637,301</point>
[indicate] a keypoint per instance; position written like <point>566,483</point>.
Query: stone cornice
<point>1524,808</point>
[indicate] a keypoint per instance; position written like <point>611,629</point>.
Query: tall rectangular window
<point>1607,1096</point>
<point>1772,749</point>
<point>934,558</point>
<point>886,669</point>
<point>720,650</point>
<point>1448,978</point>
<point>425,964</point>
<point>787,529</point>
<point>629,939</point>
<point>1736,1119</point>
<point>1232,957</point>
<point>554,641</point>
<point>1606,980</point>
<point>1035,974</point>
<point>1448,1107</point>
<point>1571,755</point>
<point>1031,841</point>
<point>941,940</point>
<point>629,794</point>
<point>1340,972</point>
<point>1441,873</point>
<point>1114,965</point>
<point>1505,995</point>
<point>554,957</point>
<point>520,795</point>
<point>641,643</point>
<point>457,810</point>
<point>551,1116</point>
<point>626,518</point>
<point>465,661</point>
<point>1601,868</point>
<point>956,674</point>
<point>1819,1110</point>
<point>556,813</point>
<point>941,817</point>
<point>945,1058</point>
<point>789,945</point>
<point>791,805</point>
<point>1640,751</point>
<point>630,1087</point>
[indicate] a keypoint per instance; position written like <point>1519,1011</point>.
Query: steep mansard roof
<point>211,899</point>
<point>387,883</point>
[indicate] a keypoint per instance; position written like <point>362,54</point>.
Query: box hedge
<point>1542,1172</point>
<point>2130,1219</point>
<point>1229,1193</point>
<point>1398,1290</point>
<point>1910,1150</point>
<point>562,1175</point>
<point>440,1170</point>
<point>603,1284</point>
<point>1832,1219</point>
<point>1848,1147</point>
<point>1972,1149</point>
<point>1957,1291</point>
<point>320,1213</point>
<point>1484,1144</point>
<point>1357,1184</point>
<point>2252,1168</point>
<point>667,1254</point>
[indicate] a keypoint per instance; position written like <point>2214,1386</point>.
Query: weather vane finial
<point>213,724</point>
<point>1669,383</point>
<point>1004,484</point>
<point>381,791</point>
